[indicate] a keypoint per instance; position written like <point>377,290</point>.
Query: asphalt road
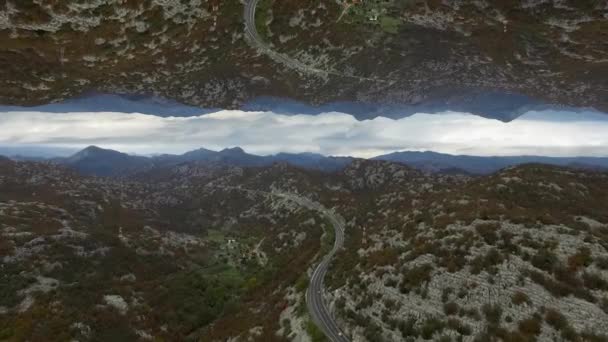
<point>314,295</point>
<point>254,37</point>
<point>252,34</point>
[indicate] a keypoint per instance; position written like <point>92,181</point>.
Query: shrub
<point>492,258</point>
<point>594,281</point>
<point>383,257</point>
<point>530,326</point>
<point>413,278</point>
<point>604,304</point>
<point>471,313</point>
<point>460,327</point>
<point>555,319</point>
<point>408,328</point>
<point>493,313</point>
<point>444,338</point>
<point>302,283</point>
<point>445,294</point>
<point>488,232</point>
<point>567,284</point>
<point>389,304</point>
<point>430,327</point>
<point>316,335</point>
<point>341,303</point>
<point>544,260</point>
<point>462,293</point>
<point>582,258</point>
<point>591,336</point>
<point>602,263</point>
<point>390,282</point>
<point>450,308</point>
<point>507,244</point>
<point>569,334</point>
<point>520,298</point>
<point>373,333</point>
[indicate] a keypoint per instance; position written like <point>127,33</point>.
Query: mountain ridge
<point>436,162</point>
<point>94,160</point>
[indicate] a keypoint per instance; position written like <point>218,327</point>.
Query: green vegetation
<point>414,277</point>
<point>530,326</point>
<point>487,262</point>
<point>329,236</point>
<point>450,308</point>
<point>302,283</point>
<point>196,298</point>
<point>520,298</point>
<point>602,263</point>
<point>430,327</point>
<point>460,327</point>
<point>262,15</point>
<point>556,320</point>
<point>390,24</point>
<point>10,283</point>
<point>216,236</point>
<point>493,313</point>
<point>316,335</point>
<point>582,258</point>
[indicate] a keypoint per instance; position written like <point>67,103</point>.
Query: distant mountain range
<point>97,161</point>
<point>494,105</point>
<point>103,162</point>
<point>447,163</point>
<point>120,103</point>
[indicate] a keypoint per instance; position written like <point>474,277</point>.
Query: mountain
<point>210,53</point>
<point>121,103</point>
<point>439,162</point>
<point>312,161</point>
<point>34,151</point>
<point>103,162</point>
<point>490,104</point>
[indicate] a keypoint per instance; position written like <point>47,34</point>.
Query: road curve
<point>251,33</point>
<point>314,295</point>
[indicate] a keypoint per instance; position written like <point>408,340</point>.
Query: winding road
<point>251,33</point>
<point>314,295</point>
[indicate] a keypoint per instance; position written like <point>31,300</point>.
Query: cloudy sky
<point>547,133</point>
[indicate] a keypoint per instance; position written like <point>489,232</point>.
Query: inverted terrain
<point>224,53</point>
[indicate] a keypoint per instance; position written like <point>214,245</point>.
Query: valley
<point>213,252</point>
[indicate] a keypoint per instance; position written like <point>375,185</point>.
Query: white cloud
<point>329,133</point>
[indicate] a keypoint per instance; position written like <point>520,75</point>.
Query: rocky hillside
<point>160,257</point>
<point>210,252</point>
<point>410,52</point>
<point>521,255</point>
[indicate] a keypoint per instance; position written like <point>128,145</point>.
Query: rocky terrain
<point>158,257</point>
<point>407,52</point>
<point>207,252</point>
<point>520,255</point>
